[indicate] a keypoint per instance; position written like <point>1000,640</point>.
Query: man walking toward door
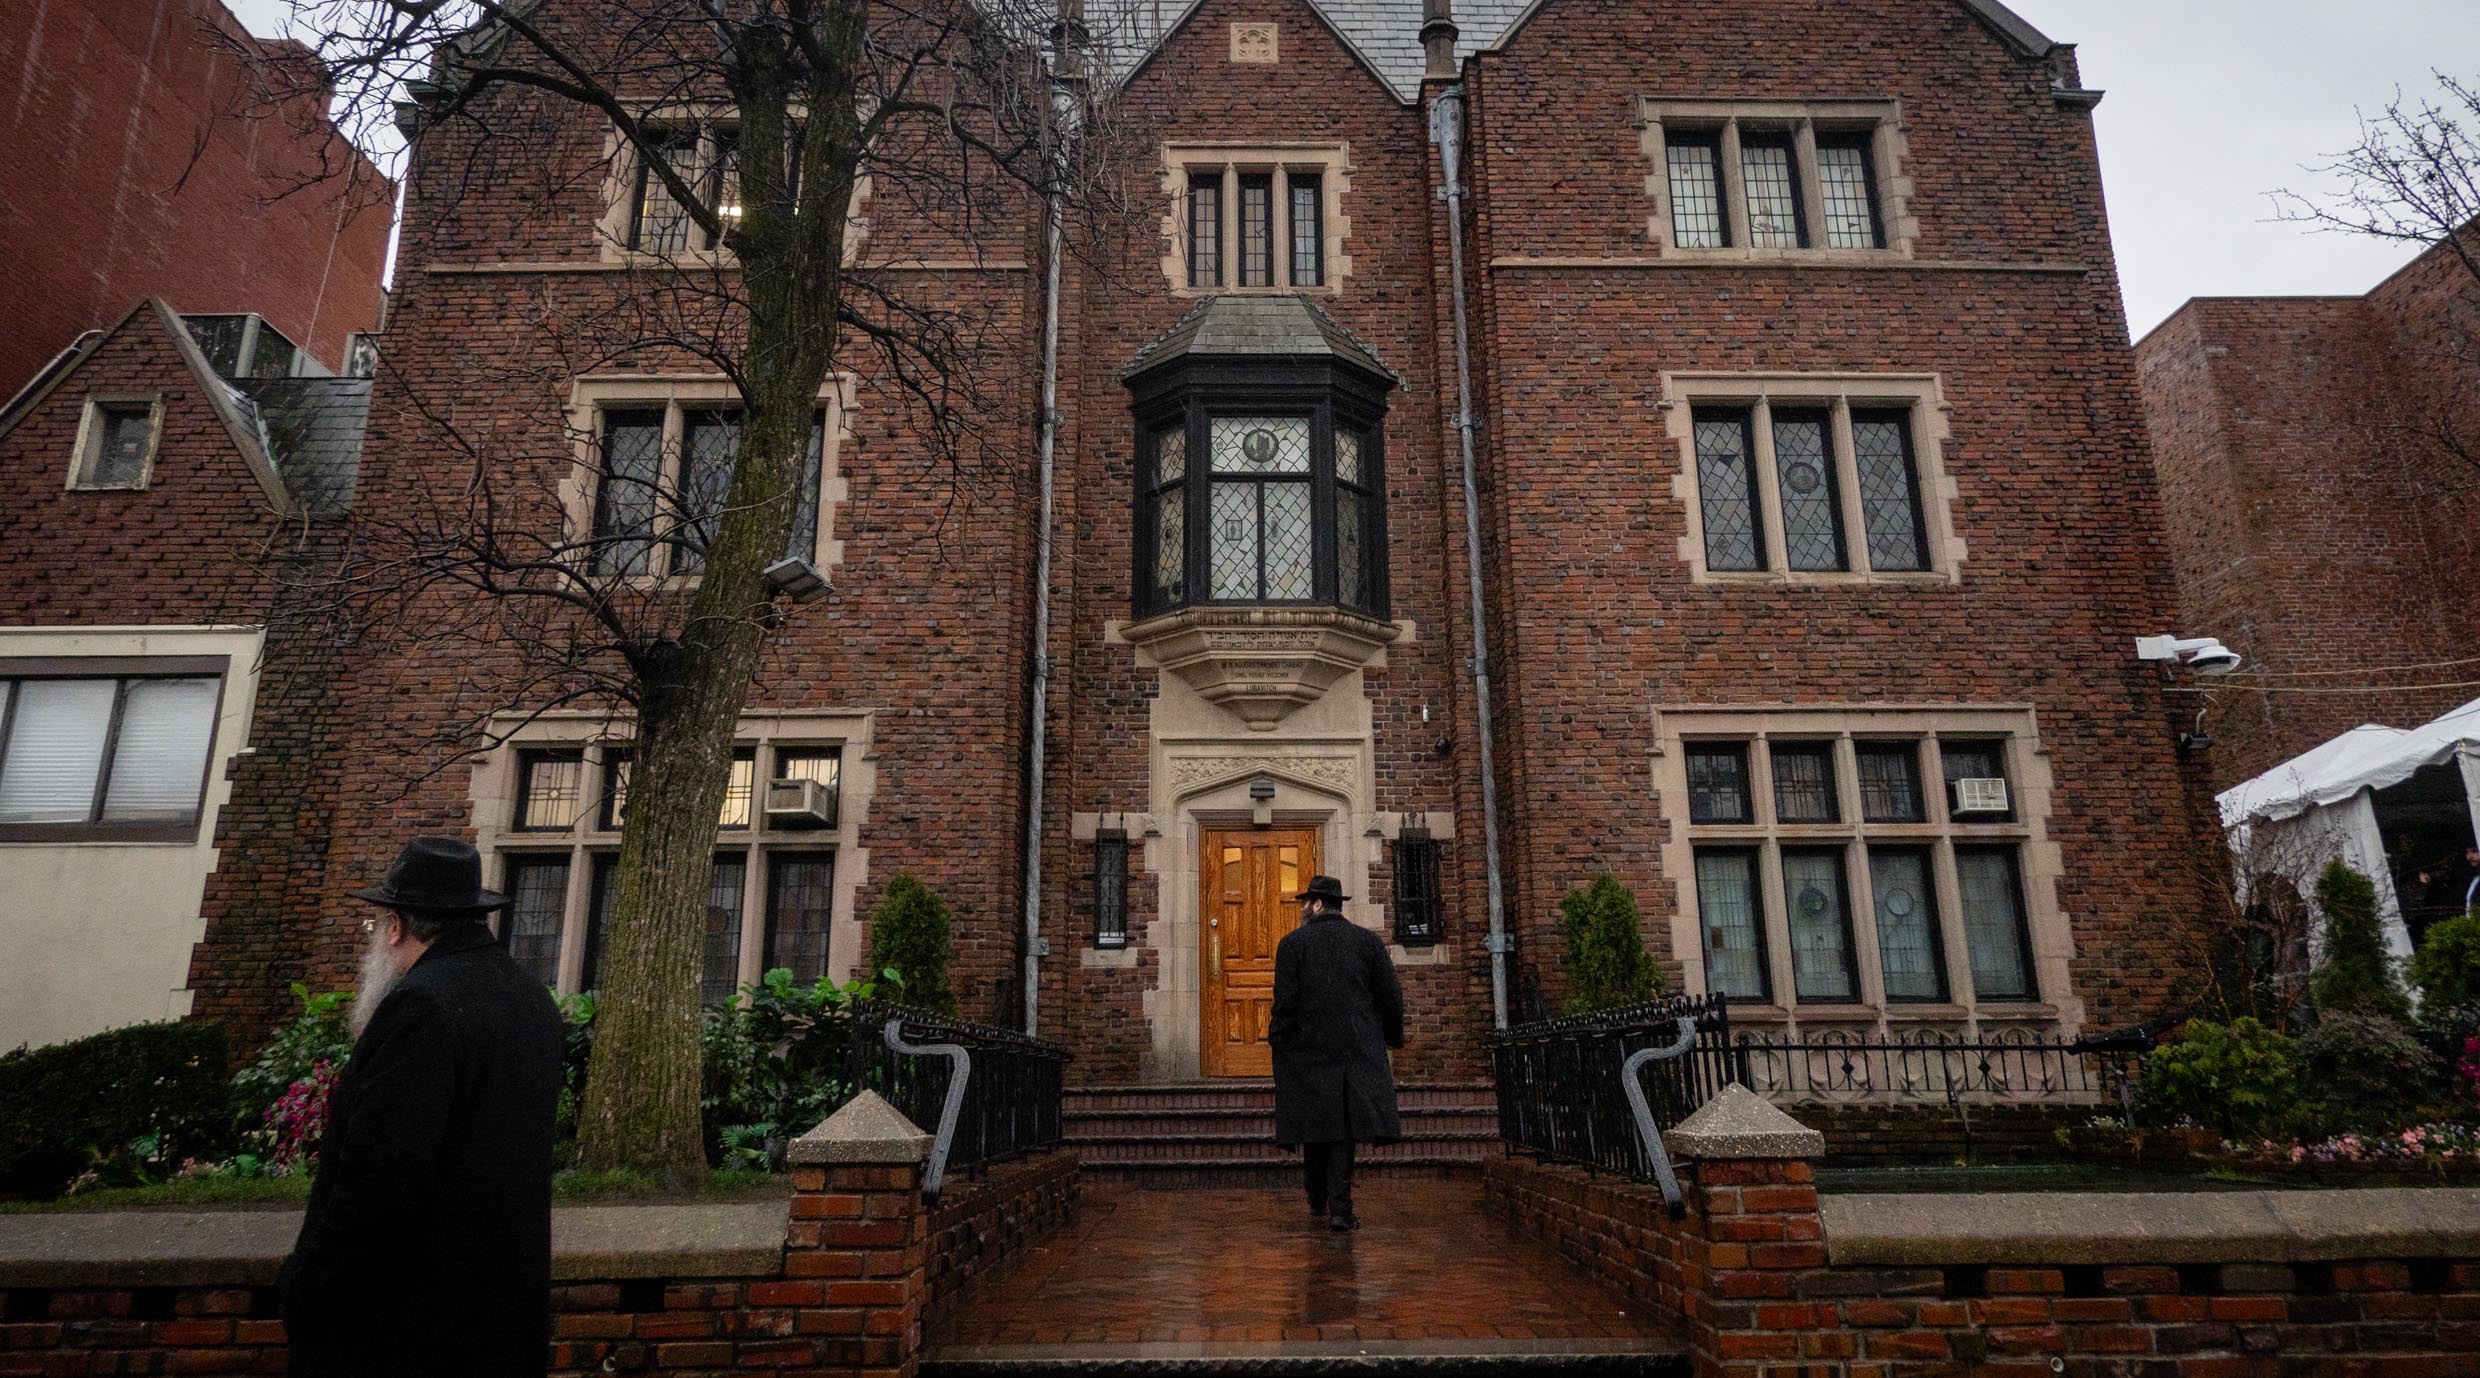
<point>1337,1009</point>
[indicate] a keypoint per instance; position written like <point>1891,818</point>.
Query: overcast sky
<point>2212,104</point>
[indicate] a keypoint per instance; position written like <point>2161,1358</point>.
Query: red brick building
<point>1815,523</point>
<point>128,177</point>
<point>2321,481</point>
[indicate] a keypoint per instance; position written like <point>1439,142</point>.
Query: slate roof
<point>314,430</point>
<point>1267,327</point>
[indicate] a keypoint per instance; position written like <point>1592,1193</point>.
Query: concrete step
<point>1189,1147</point>
<point>1096,1125</point>
<point>1577,1358</point>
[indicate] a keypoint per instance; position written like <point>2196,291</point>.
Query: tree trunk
<point>641,1105</point>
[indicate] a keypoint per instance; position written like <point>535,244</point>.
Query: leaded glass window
<point>1167,495</point>
<point>1889,490</point>
<point>550,790</point>
<point>1820,921</point>
<point>1907,933</point>
<point>1205,230</point>
<point>737,790</point>
<point>1261,544</point>
<point>537,890</point>
<point>602,893</point>
<point>1804,783</point>
<point>1698,219</point>
<point>1726,492</point>
<point>1718,783</point>
<point>1993,922</point>
<point>1890,783</point>
<point>1848,184</point>
<point>1772,191</point>
<point>1734,930</point>
<point>1308,233</point>
<point>1355,513</point>
<point>1812,510</point>
<point>712,441</point>
<point>661,226</point>
<point>1256,230</point>
<point>624,516</point>
<point>725,896</point>
<point>800,902</point>
<point>1111,889</point>
<point>666,477</point>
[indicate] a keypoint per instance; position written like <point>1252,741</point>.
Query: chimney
<point>1438,39</point>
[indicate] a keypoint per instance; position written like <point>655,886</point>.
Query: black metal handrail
<point>1563,1090</point>
<point>1009,1102</point>
<point>1930,1065</point>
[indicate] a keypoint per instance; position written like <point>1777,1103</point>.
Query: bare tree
<point>742,136</point>
<point>2414,179</point>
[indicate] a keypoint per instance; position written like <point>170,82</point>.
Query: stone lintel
<point>1739,1123</point>
<point>866,1130</point>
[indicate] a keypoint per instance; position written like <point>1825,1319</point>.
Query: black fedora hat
<point>1325,888</point>
<point>435,875</point>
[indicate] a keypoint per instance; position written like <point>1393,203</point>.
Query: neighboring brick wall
<point>1746,1275</point>
<point>980,1225</point>
<point>2316,526</point>
<point>1879,1134</point>
<point>133,172</point>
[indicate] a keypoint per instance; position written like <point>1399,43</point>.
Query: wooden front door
<point>1249,898</point>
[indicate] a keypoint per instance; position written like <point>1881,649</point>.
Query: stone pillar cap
<point>1739,1123</point>
<point>866,1130</point>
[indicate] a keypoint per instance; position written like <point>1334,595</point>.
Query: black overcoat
<point>1337,1009</point>
<point>426,1250</point>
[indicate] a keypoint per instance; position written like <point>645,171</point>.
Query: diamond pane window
<point>550,790</point>
<point>1726,493</point>
<point>1804,784</point>
<point>724,900</point>
<point>1812,512</point>
<point>1813,892</point>
<point>537,888</point>
<point>1170,545</point>
<point>713,442</point>
<point>1890,783</point>
<point>1170,455</point>
<point>1256,230</point>
<point>1907,935</point>
<point>1290,543</point>
<point>1772,194</point>
<point>1849,188</point>
<point>1889,490</point>
<point>1234,543</point>
<point>624,505</point>
<point>1351,556</point>
<point>1261,445</point>
<point>1348,457</point>
<point>1697,219</point>
<point>1993,922</point>
<point>1205,230</point>
<point>1718,783</point>
<point>1727,911</point>
<point>1263,541</point>
<point>1308,235</point>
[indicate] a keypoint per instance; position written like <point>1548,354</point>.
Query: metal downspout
<point>1054,235</point>
<point>1446,126</point>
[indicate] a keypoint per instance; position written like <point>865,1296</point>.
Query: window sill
<point>1820,258</point>
<point>1842,578</point>
<point>99,835</point>
<point>1332,289</point>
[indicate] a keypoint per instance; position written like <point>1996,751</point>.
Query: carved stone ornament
<point>1261,663</point>
<point>1252,43</point>
<point>1340,774</point>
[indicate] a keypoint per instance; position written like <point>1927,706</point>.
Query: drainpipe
<point>1446,129</point>
<point>1065,70</point>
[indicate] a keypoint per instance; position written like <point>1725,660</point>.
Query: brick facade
<point>2316,525</point>
<point>129,180</point>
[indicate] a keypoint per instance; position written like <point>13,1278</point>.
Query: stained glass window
<point>712,442</point>
<point>1907,936</point>
<point>1727,910</point>
<point>1356,507</point>
<point>1849,187</point>
<point>1308,231</point>
<point>537,889</point>
<point>1262,540</point>
<point>1821,967</point>
<point>724,902</point>
<point>1804,783</point>
<point>550,789</point>
<point>661,226</point>
<point>1697,218</point>
<point>1812,511</point>
<point>1718,783</point>
<point>1726,496</point>
<point>1993,922</point>
<point>1205,230</point>
<point>800,900</point>
<point>1890,782</point>
<point>1169,574</point>
<point>1256,230</point>
<point>736,792</point>
<point>1889,490</point>
<point>1772,191</point>
<point>624,505</point>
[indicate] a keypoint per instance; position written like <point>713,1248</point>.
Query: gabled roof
<point>1267,327</point>
<point>314,429</point>
<point>233,407</point>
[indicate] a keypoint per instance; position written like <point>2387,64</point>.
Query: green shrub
<point>910,936</point>
<point>2238,1079</point>
<point>2446,969</point>
<point>2366,1071</point>
<point>1606,962</point>
<point>317,1034</point>
<point>154,1093</point>
<point>2355,975</point>
<point>777,1061</point>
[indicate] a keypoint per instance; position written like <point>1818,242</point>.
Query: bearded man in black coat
<point>1337,1009</point>
<point>426,1250</point>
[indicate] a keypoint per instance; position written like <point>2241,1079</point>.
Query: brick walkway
<point>1226,1269</point>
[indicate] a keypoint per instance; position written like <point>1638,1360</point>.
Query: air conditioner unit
<point>1980,795</point>
<point>799,804</point>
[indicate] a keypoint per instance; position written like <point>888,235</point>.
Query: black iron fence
<point>1562,1097</point>
<point>986,1094</point>
<point>1939,1066</point>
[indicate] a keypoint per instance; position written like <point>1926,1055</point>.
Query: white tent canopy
<point>2321,804</point>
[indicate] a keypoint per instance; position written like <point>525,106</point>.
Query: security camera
<point>2203,654</point>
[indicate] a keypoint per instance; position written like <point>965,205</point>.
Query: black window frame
<point>1206,250</point>
<point>1777,752</point>
<point>1709,140</point>
<point>1864,141</point>
<point>1934,919</point>
<point>544,965</point>
<point>1830,463</point>
<point>1111,888</point>
<point>2013,852</point>
<point>1752,861</point>
<point>1890,748</point>
<point>1745,419</point>
<point>1420,905</point>
<point>1783,141</point>
<point>778,861</point>
<point>1313,185</point>
<point>1245,273</point>
<point>693,137</point>
<point>1841,857</point>
<point>1737,750</point>
<point>1997,749</point>
<point>520,817</point>
<point>1900,418</point>
<point>668,546</point>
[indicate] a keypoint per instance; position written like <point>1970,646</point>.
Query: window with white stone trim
<point>1776,178</point>
<point>1255,218</point>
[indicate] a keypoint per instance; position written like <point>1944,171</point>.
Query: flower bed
<point>2446,1152</point>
